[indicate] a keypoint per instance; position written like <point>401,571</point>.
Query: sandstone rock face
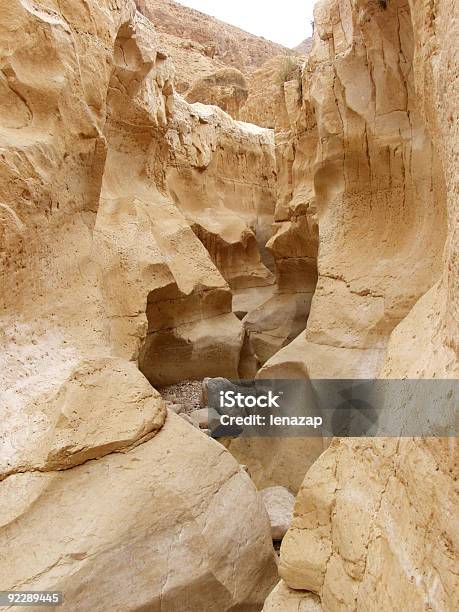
<point>276,461</point>
<point>265,103</point>
<point>222,178</point>
<point>158,526</point>
<point>104,405</point>
<point>294,244</point>
<point>374,524</point>
<point>101,271</point>
<point>371,178</point>
<point>283,599</point>
<point>279,321</point>
<point>137,248</point>
<point>216,63</point>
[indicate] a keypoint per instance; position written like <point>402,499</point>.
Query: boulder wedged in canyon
<point>375,521</point>
<point>173,520</point>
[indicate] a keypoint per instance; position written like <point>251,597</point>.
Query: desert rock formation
<point>100,270</point>
<point>373,524</point>
<point>153,527</point>
<point>368,171</point>
<point>217,63</point>
<point>210,57</point>
<point>304,47</point>
<point>148,239</point>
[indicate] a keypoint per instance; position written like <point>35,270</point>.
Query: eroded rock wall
<point>99,268</point>
<point>374,181</point>
<point>375,522</point>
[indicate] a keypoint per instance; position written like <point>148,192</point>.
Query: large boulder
<point>104,405</point>
<point>173,524</point>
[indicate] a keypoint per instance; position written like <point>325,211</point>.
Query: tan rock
<point>226,88</point>
<point>219,40</point>
<point>105,405</point>
<point>227,198</point>
<point>276,322</point>
<point>283,599</point>
<point>100,268</point>
<point>265,103</point>
<point>279,504</point>
<point>200,417</point>
<point>346,122</point>
<point>73,530</point>
<point>374,525</point>
<point>276,461</point>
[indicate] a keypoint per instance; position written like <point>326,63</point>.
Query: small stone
<point>201,418</point>
<point>177,408</point>
<point>279,504</point>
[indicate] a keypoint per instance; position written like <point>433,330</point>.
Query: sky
<point>287,22</point>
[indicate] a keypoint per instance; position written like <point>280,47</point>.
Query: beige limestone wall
<point>98,484</point>
<point>375,523</point>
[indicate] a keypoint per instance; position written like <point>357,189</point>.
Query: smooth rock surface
<point>279,504</point>
<point>283,599</point>
<point>172,524</point>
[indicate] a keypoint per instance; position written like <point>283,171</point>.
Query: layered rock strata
<point>221,41</point>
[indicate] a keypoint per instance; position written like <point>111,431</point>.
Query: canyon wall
<point>102,492</point>
<point>375,522</point>
<point>368,172</point>
<point>217,63</point>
